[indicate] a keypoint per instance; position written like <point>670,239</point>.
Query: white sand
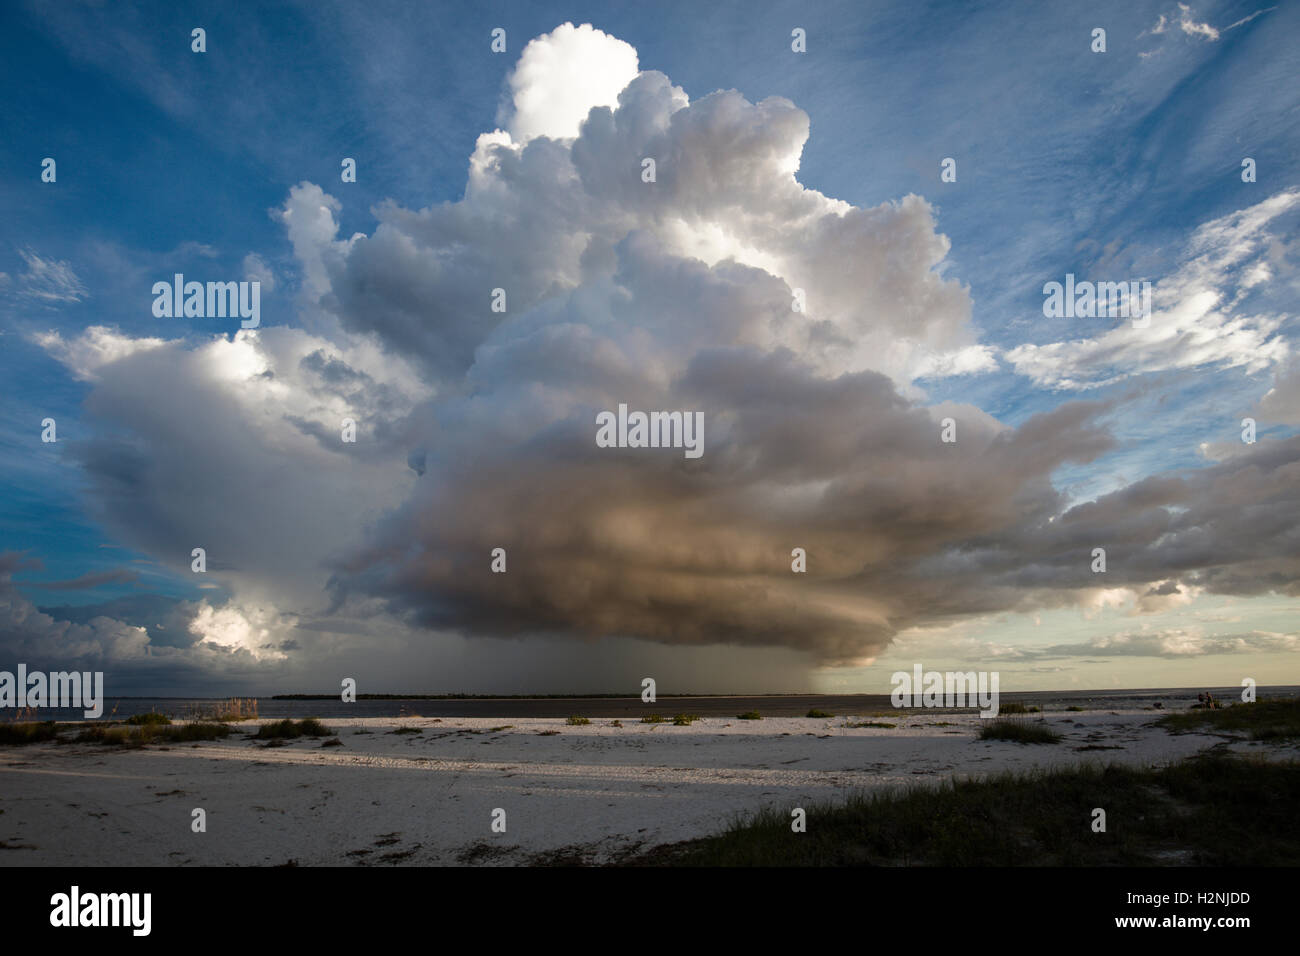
<point>427,798</point>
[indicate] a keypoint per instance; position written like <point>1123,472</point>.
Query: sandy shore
<point>584,793</point>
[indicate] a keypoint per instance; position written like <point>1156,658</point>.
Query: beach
<point>423,790</point>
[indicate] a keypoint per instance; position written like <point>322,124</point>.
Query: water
<point>795,705</point>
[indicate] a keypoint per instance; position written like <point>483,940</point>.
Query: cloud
<point>1175,643</point>
<point>98,346</point>
<point>560,77</point>
<point>476,427</point>
<point>1189,26</point>
<point>1198,313</point>
<point>49,282</point>
<point>92,580</point>
<point>256,270</point>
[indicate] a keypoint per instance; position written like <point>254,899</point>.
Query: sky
<point>839,260</point>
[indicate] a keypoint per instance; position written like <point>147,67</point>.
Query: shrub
<point>1019,731</point>
<point>153,717</point>
<point>28,733</point>
<point>289,729</point>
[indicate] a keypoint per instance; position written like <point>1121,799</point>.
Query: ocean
<point>783,705</point>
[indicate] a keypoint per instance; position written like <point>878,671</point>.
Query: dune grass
<point>1216,810</point>
<point>1016,707</point>
<point>290,729</point>
<point>685,720</point>
<point>153,717</point>
<point>1262,720</point>
<point>1018,731</point>
<point>750,715</point>
<point>141,735</point>
<point>577,721</point>
<point>818,713</point>
<point>28,732</point>
<point>653,719</point>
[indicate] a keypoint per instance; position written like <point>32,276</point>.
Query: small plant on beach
<point>616,723</point>
<point>814,712</point>
<point>1016,707</point>
<point>226,711</point>
<point>406,730</point>
<point>685,720</point>
<point>1074,708</point>
<point>28,733</point>
<point>750,715</point>
<point>153,717</point>
<point>578,721</point>
<point>1204,811</point>
<point>142,734</point>
<point>653,719</point>
<point>854,725</point>
<point>1262,720</point>
<point>290,729</point>
<point>1019,731</point>
<point>547,733</point>
<point>332,742</point>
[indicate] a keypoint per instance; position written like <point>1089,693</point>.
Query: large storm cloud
<point>800,326</point>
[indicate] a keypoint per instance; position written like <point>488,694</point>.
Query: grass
<point>1218,810</point>
<point>1016,707</point>
<point>1262,720</point>
<point>1074,708</point>
<point>31,732</point>
<point>653,719</point>
<point>1019,731</point>
<point>818,713</point>
<point>140,735</point>
<point>867,723</point>
<point>231,710</point>
<point>685,720</point>
<point>289,729</point>
<point>153,717</point>
<point>577,721</point>
<point>750,715</point>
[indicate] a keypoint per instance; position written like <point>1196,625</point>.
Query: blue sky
<point>1104,165</point>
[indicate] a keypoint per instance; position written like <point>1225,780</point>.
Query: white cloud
<point>1196,317</point>
<point>96,347</point>
<point>48,281</point>
<point>560,76</point>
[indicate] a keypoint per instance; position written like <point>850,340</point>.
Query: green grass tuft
<point>31,732</point>
<point>577,721</point>
<point>1262,720</point>
<point>1019,731</point>
<point>818,713</point>
<point>1209,811</point>
<point>750,715</point>
<point>153,717</point>
<point>289,729</point>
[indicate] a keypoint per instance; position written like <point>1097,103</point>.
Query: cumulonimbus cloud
<point>672,294</point>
